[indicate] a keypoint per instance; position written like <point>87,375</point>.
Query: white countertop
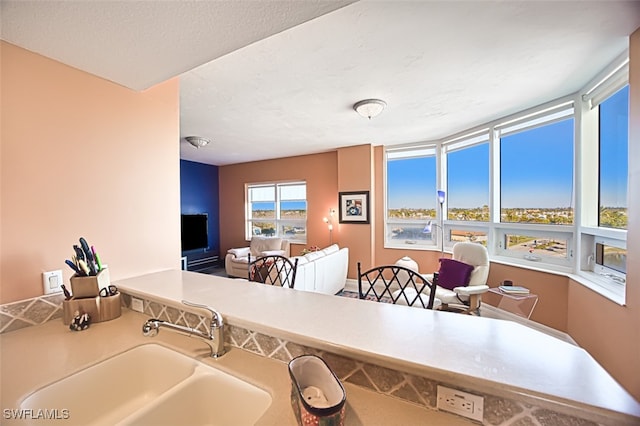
<point>499,357</point>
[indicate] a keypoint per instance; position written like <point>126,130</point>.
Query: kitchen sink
<point>206,399</point>
<point>150,385</point>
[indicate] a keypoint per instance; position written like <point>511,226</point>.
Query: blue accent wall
<point>199,194</point>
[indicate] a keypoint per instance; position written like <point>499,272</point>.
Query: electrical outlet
<point>137,304</point>
<point>51,281</point>
<point>461,403</point>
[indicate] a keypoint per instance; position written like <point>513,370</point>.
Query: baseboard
<point>351,285</point>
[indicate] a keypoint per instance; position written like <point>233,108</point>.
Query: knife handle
<point>72,266</point>
<point>83,266</point>
<point>79,252</point>
<point>86,250</point>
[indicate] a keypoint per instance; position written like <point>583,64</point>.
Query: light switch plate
<point>51,281</point>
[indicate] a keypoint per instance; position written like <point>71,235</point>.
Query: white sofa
<point>236,260</point>
<point>323,271</point>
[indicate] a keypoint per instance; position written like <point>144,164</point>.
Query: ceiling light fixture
<point>369,107</point>
<point>198,141</point>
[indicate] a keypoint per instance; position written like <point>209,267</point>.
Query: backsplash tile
<point>414,389</point>
<point>34,311</point>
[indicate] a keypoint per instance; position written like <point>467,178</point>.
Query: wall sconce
<point>329,222</point>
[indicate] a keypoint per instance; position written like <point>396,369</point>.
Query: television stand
<point>203,263</point>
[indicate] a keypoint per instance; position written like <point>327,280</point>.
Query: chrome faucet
<point>215,338</point>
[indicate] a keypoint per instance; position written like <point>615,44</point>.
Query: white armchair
<point>236,261</point>
<point>476,255</point>
<point>472,256</point>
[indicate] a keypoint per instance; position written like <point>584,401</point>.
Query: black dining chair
<point>398,285</point>
<point>273,270</point>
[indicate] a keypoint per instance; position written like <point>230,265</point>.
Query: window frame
<point>424,149</point>
<point>455,145</point>
<point>278,220</point>
<point>614,77</point>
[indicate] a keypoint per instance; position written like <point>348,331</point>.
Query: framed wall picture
<point>354,207</point>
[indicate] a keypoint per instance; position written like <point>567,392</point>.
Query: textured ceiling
<point>279,78</point>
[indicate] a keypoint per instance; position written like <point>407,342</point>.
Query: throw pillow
<point>453,274</point>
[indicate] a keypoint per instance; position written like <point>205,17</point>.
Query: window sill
<point>420,247</point>
<point>613,292</point>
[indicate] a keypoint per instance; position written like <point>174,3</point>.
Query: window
<point>411,195</point>
<point>536,174</point>
<point>517,184</point>
<point>458,234</point>
<point>277,209</point>
<point>468,181</point>
<point>613,162</point>
<point>604,192</point>
<point>534,247</point>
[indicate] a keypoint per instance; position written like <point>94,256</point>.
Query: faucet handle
<point>216,318</point>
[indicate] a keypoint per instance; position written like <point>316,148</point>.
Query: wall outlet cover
<point>137,304</point>
<point>461,403</point>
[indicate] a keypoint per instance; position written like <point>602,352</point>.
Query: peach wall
<point>611,333</point>
<point>355,173</point>
<point>82,156</point>
<point>320,173</point>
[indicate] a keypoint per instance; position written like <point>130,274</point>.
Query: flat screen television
<point>195,231</point>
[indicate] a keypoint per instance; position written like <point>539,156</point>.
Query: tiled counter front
<point>414,389</point>
<point>29,312</point>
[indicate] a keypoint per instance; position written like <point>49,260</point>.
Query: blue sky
<point>614,119</point>
<point>536,168</point>
<point>285,205</point>
<point>412,183</point>
<point>468,177</point>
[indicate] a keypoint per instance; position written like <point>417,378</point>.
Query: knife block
<point>88,286</point>
<point>99,308</point>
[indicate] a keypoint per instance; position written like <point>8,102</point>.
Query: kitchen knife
<point>89,256</point>
<point>72,266</point>
<point>86,249</point>
<point>79,252</point>
<point>83,266</point>
<point>67,295</point>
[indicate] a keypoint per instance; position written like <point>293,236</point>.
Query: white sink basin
<point>206,399</point>
<point>152,385</point>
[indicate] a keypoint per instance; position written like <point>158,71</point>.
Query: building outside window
<point>277,210</point>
